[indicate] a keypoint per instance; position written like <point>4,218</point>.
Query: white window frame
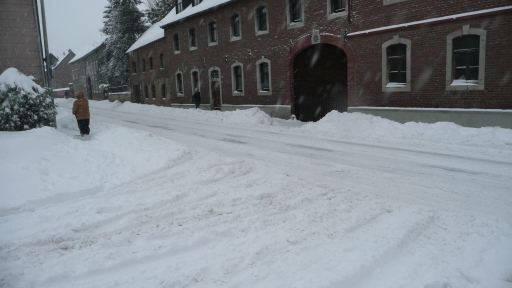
<point>256,19</point>
<point>231,31</point>
<point>182,94</point>
<point>233,79</point>
<point>192,79</point>
<point>385,76</point>
<point>190,47</point>
<point>258,80</point>
<point>291,24</point>
<point>210,42</point>
<point>466,30</point>
<point>333,15</point>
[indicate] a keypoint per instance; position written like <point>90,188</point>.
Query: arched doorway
<point>319,82</point>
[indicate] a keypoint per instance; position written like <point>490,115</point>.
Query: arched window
<point>396,65</point>
<point>237,79</point>
<point>465,59</point>
<point>261,19</point>
<point>235,27</point>
<point>212,33</point>
<point>263,76</point>
<point>179,84</point>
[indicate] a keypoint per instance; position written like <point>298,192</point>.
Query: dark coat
<point>196,97</point>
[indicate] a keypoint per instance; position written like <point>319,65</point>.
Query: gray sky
<point>73,24</point>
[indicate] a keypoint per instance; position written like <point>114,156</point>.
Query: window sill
<point>456,85</point>
<point>335,15</point>
<point>192,48</point>
<point>177,52</point>
<point>212,44</point>
<point>258,33</point>
<point>237,93</point>
<point>233,39</point>
<point>294,25</point>
<point>180,95</point>
<point>264,93</point>
<point>396,87</point>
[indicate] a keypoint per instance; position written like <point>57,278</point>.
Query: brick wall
<point>19,46</point>
<point>364,54</point>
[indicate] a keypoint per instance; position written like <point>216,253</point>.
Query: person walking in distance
<point>196,97</point>
<point>81,112</point>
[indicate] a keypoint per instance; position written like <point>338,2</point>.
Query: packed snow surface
<point>165,197</point>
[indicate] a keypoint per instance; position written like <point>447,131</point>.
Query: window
<point>195,79</point>
<point>465,59</point>
<point>261,18</point>
<point>212,33</point>
<point>336,8</point>
<point>196,2</point>
<point>179,83</point>
<point>143,65</point>
<point>153,91</point>
<point>192,39</point>
<point>237,79</point>
<point>162,90</point>
<point>396,65</point>
<point>264,77</point>
<point>235,27</point>
<point>295,13</point>
<point>134,68</point>
<point>146,94</point>
<point>161,61</point>
<point>150,63</point>
<point>176,41</point>
<point>179,6</point>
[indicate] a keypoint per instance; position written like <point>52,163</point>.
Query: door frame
<point>210,86</point>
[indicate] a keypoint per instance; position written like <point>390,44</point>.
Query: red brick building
<point>309,57</point>
<point>21,37</point>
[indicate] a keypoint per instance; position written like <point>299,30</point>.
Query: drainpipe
<point>47,58</point>
<point>39,41</point>
<point>46,50</point>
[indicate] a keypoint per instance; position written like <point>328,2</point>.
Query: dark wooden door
<point>216,94</point>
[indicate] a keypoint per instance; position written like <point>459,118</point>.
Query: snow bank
<point>375,129</point>
<point>44,162</point>
<point>13,77</point>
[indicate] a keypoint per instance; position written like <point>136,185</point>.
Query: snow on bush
<point>24,104</point>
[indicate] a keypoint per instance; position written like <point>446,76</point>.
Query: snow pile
<point>52,163</point>
<point>364,127</point>
<point>24,104</point>
<point>253,116</point>
<point>11,77</point>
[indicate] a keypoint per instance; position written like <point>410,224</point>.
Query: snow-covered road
<point>167,197</point>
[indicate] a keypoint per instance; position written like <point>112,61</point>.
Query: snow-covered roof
<point>86,51</point>
<point>431,20</point>
<point>156,32</point>
<point>152,34</point>
<point>64,57</point>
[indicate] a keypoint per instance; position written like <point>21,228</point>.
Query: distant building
<point>20,34</point>
<point>84,72</point>
<point>62,74</point>
<point>309,57</point>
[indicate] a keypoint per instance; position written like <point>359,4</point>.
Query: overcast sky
<point>73,24</point>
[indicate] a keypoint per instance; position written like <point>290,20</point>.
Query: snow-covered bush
<point>24,104</point>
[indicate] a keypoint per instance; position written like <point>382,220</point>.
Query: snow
<point>432,20</point>
<point>86,50</point>
<point>14,78</point>
<point>166,197</point>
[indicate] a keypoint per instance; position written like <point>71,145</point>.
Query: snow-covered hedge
<point>24,104</point>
